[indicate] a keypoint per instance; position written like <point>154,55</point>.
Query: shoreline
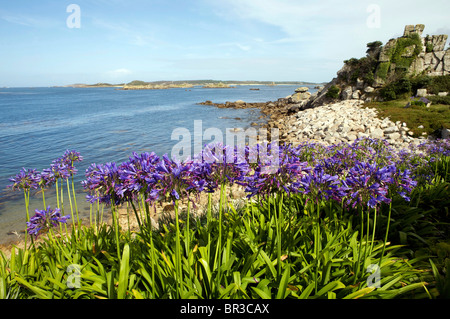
<point>328,123</point>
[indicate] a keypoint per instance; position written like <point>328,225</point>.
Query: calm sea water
<point>37,125</point>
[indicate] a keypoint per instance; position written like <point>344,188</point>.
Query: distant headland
<point>155,85</point>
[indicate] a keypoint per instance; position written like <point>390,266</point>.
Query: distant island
<point>97,85</point>
<point>155,85</point>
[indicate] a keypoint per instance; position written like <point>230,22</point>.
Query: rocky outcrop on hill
<point>413,54</point>
<point>407,56</point>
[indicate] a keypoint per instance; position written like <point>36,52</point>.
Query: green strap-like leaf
<point>124,273</point>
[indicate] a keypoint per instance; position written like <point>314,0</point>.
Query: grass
<point>432,118</point>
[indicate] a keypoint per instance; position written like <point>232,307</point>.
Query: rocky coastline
<point>329,123</point>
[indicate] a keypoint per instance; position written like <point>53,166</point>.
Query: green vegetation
<point>402,54</point>
<point>400,57</point>
<point>137,83</point>
<point>407,86</point>
<point>433,118</point>
<point>419,102</point>
<point>445,100</point>
<point>438,84</point>
<point>397,89</point>
<point>428,45</point>
<point>363,68</point>
<point>373,47</point>
<point>419,82</point>
<point>388,93</point>
<point>333,92</point>
<point>383,69</point>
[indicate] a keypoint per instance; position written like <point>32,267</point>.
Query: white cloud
<point>118,75</point>
<point>120,72</point>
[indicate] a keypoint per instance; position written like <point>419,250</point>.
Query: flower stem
<point>115,220</point>
<point>373,230</point>
<point>279,229</point>
<point>27,203</point>
<point>70,201</point>
<point>178,274</point>
<point>387,233</point>
<point>43,197</point>
<point>75,201</point>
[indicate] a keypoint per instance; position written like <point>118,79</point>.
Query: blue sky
<point>271,40</point>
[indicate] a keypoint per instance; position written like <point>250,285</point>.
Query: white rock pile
<point>344,121</point>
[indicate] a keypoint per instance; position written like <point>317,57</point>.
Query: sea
<point>37,125</point>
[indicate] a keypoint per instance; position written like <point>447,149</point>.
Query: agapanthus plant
<point>268,179</point>
<point>138,176</point>
<point>45,220</point>
<point>437,148</point>
<point>400,181</point>
<point>62,169</point>
<point>219,164</point>
<point>47,178</point>
<point>72,156</point>
<point>368,184</point>
<point>102,181</point>
<point>173,178</point>
<point>321,186</point>
<point>26,179</point>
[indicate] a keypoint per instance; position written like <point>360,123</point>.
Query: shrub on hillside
<point>388,93</point>
<point>402,86</point>
<point>439,83</point>
<point>420,82</point>
<point>333,92</point>
<point>440,99</point>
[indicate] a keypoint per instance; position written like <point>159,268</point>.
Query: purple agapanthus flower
<point>72,156</point>
<point>173,178</point>
<point>424,100</point>
<point>138,175</point>
<point>321,185</point>
<point>102,182</point>
<point>217,165</point>
<point>44,220</point>
<point>63,167</point>
<point>26,179</point>
<point>61,170</point>
<point>437,148</point>
<point>47,178</point>
<point>401,181</point>
<point>368,184</point>
<point>282,177</point>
